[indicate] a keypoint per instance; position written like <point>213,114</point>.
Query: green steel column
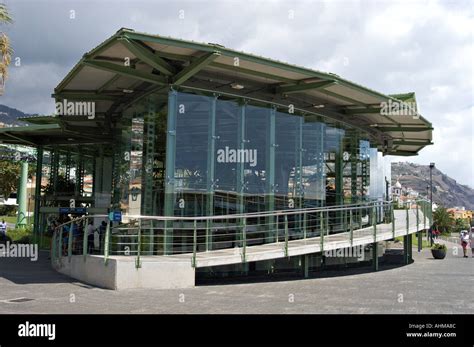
<point>39,175</point>
<point>354,160</point>
<point>22,196</point>
<point>270,172</point>
<point>405,249</point>
<point>211,170</point>
<point>375,258</point>
<point>299,175</point>
<point>78,187</point>
<point>305,265</point>
<point>240,183</point>
<point>148,203</point>
<point>54,169</point>
<point>240,179</point>
<point>339,179</point>
<point>170,168</point>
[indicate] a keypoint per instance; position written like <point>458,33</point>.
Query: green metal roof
<point>162,62</point>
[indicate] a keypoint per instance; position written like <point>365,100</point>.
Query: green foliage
<point>460,224</point>
<point>10,176</point>
<point>8,210</point>
<point>20,235</point>
<point>443,220</point>
<point>439,246</point>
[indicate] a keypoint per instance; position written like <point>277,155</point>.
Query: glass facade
<point>229,156</point>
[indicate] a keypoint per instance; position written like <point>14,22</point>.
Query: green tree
<point>6,50</point>
<point>10,176</point>
<point>460,224</point>
<point>443,220</point>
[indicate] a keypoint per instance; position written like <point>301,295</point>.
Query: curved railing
<point>160,235</point>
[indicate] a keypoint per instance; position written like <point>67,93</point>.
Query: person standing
<point>90,237</point>
<point>471,238</point>
<point>3,230</point>
<point>464,242</point>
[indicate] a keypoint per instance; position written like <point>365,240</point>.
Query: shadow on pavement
<point>25,271</point>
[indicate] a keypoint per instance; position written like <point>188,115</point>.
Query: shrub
<point>439,246</point>
<point>7,210</point>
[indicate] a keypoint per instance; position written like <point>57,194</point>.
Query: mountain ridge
<point>446,190</point>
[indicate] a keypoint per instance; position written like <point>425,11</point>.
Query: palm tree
<point>5,48</point>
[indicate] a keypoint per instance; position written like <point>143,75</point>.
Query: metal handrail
<point>242,233</point>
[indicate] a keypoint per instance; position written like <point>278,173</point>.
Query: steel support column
<point>375,257</point>
<point>170,168</point>
<point>211,160</point>
<point>270,172</point>
<point>39,175</point>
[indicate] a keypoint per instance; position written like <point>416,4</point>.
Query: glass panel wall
<point>233,157</point>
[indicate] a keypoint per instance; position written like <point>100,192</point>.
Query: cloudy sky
<point>390,46</point>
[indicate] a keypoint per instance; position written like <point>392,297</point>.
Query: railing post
<point>374,221</point>
<point>351,227</point>
<point>393,218</point>
<point>85,240</point>
<point>408,221</point>
<point>304,224</point>
<point>106,243</point>
<point>139,244</point>
<point>60,246</point>
<point>69,242</point>
<point>286,235</point>
<point>417,218</point>
<point>244,240</point>
<point>194,243</point>
<point>53,248</point>
<point>321,233</point>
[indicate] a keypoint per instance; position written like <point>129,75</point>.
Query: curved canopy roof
<point>130,66</point>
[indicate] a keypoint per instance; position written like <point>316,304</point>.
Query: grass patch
<point>414,237</point>
<point>8,219</point>
<point>26,236</point>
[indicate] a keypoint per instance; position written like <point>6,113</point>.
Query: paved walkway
<point>425,286</point>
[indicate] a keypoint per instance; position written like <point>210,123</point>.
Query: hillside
<point>446,191</point>
<point>9,116</point>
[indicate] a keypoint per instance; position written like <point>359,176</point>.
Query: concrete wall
<point>121,273</point>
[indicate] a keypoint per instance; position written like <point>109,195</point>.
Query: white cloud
<point>390,46</point>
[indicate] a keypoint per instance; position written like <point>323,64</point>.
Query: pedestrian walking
<point>3,230</point>
<point>471,238</point>
<point>464,242</point>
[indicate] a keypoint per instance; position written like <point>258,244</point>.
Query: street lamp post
<point>432,165</point>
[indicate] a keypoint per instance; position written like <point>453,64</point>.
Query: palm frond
<point>5,16</point>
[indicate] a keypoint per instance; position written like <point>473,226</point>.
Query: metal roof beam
<point>194,67</point>
<point>403,153</point>
<point>108,84</point>
<point>362,110</point>
<point>85,97</point>
<point>148,57</point>
<point>304,86</point>
<point>412,143</point>
<point>407,129</point>
<point>125,71</point>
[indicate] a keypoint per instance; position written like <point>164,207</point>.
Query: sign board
<point>115,216</point>
<point>69,210</point>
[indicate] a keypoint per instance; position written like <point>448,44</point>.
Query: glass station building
<point>156,126</point>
